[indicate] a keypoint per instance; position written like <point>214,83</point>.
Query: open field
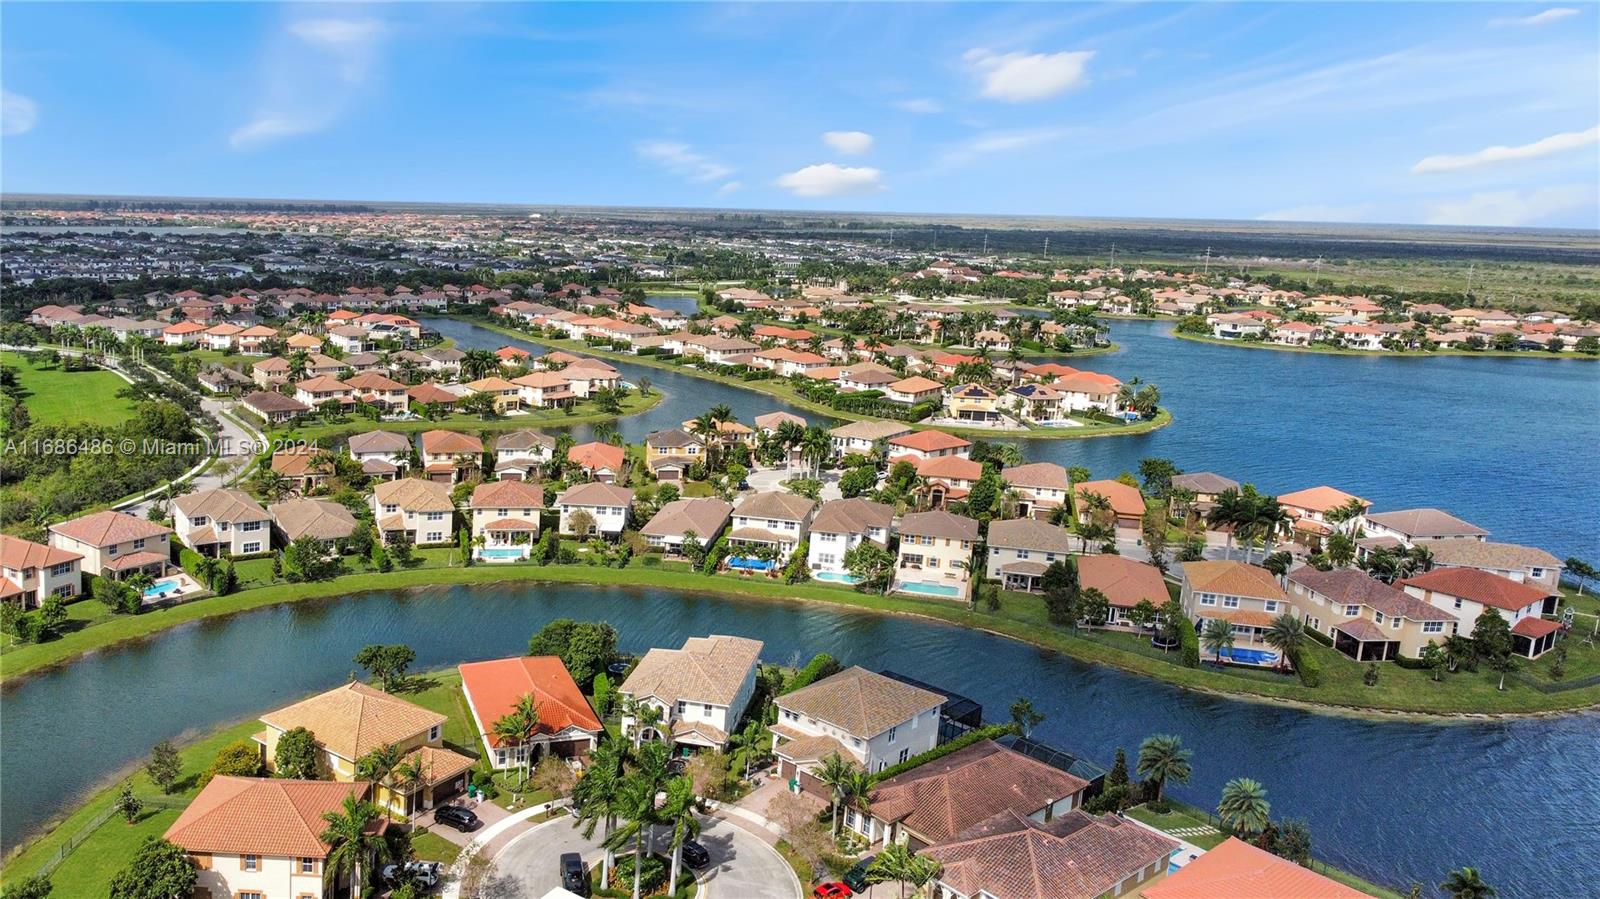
<point>61,397</point>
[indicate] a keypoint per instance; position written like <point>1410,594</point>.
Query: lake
<point>1394,801</point>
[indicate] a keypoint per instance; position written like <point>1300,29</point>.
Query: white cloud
<point>729,188</point>
<point>850,143</point>
<point>337,32</point>
<point>1542,18</point>
<point>18,114</point>
<point>831,180</point>
<point>1511,208</point>
<point>992,142</point>
<point>921,105</point>
<point>682,160</point>
<point>1026,77</point>
<point>1555,143</point>
<point>297,97</point>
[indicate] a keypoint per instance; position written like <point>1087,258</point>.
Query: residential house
<point>1308,513</point>
<point>443,360</point>
<point>222,522</point>
<point>260,837</point>
<point>1367,619</point>
<point>869,376</point>
<point>1238,869</point>
<point>938,801</point>
<point>324,389</point>
<point>774,519</point>
<point>505,517</point>
<point>351,722</point>
<point>935,554</point>
<point>429,393</point>
<point>1468,592</point>
<point>600,461</point>
<point>383,455</point>
<point>1039,403</point>
<point>35,572</point>
<point>1235,325</point>
<point>568,726</point>
<point>450,456</point>
<point>927,445</point>
<point>1020,549</point>
<point>861,716</point>
<point>1246,597</point>
<point>221,336</point>
<point>302,467</point>
<point>376,390</point>
<point>669,453</point>
<point>422,510</point>
<point>1085,390</point>
<point>317,518</point>
<point>705,517</point>
<point>972,403</point>
<point>185,333</point>
<point>1041,487</point>
<point>607,505</point>
<point>945,479</point>
<point>1523,564</point>
<point>220,379</point>
<point>1124,582</point>
<point>520,454</point>
<point>114,542</point>
<point>1126,514</point>
<point>699,692</point>
<point>864,437</point>
<point>1205,487</point>
<point>254,340</point>
<point>545,390</point>
<point>913,390</point>
<point>507,395</point>
<point>840,526</point>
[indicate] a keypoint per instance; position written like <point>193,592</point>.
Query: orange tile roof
<point>19,554</point>
<point>1124,581</point>
<point>1480,587</point>
<point>597,456</point>
<point>1126,501</point>
<point>929,441</point>
<point>1233,579</point>
<point>494,687</point>
<point>441,441</point>
<point>1318,499</point>
<point>262,816</point>
<point>1238,870</point>
<point>108,527</point>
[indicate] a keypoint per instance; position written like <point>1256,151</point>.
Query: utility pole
<point>1113,256</point>
<point>1471,269</point>
<point>1047,247</point>
<point>1207,269</point>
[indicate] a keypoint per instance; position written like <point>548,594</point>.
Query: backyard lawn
<point>57,397</point>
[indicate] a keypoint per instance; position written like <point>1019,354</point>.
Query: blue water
<point>833,577</point>
<point>503,552</point>
<point>160,587</point>
<point>929,589</point>
<point>742,563</point>
<point>1250,656</point>
<point>1507,443</point>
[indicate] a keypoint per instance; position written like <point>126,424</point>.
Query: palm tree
<point>1287,635</point>
<point>722,413</point>
<point>351,841</point>
<point>1349,511</point>
<point>1163,758</point>
<point>598,796</point>
<point>815,447</point>
<point>705,427</point>
<point>1278,563</point>
<point>517,727</point>
<point>1218,636</point>
<point>477,364</point>
<point>1244,807</point>
<point>839,775</point>
<point>678,813</point>
<point>409,777</point>
<point>898,864</point>
<point>378,765</point>
<point>636,804</point>
<point>749,741</point>
<point>1467,884</point>
<point>1227,513</point>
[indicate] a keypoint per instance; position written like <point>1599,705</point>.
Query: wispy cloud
<point>850,143</point>
<point>1512,208</point>
<point>831,180</point>
<point>1028,77</point>
<point>1553,14</point>
<point>297,97</point>
<point>1314,212</point>
<point>992,142</point>
<point>18,114</point>
<point>730,187</point>
<point>683,160</point>
<point>1488,156</point>
<point>920,105</point>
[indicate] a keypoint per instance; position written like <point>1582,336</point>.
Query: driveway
<point>742,866</point>
<point>764,479</point>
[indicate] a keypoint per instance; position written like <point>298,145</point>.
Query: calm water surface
<point>1394,801</point>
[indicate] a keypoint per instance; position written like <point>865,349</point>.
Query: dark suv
<point>856,877</point>
<point>573,876</point>
<point>461,819</point>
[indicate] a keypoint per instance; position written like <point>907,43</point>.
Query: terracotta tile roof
<point>1231,578</point>
<point>261,816</point>
<point>415,494</point>
<point>18,554</point>
<point>861,702</point>
<point>371,380</point>
<point>439,764</point>
<point>322,519</point>
<point>929,441</point>
<point>1246,617</point>
<point>429,392</point>
<point>946,797</point>
<point>705,515</point>
<point>772,420</point>
<point>1124,581</point>
<point>1479,586</point>
<point>1535,628</point>
<point>949,467</point>
<point>223,504</point>
<point>380,442</point>
<point>1362,629</point>
<point>507,494</point>
<point>1237,870</point>
<point>1482,554</point>
<point>450,442</point>
<point>108,527</point>
<point>870,430</point>
<point>1318,499</point>
<point>1087,382</point>
<point>135,560</point>
<point>915,384</point>
<point>1126,502</point>
<point>595,493</point>
<point>596,456</point>
<point>946,525</point>
<point>494,687</point>
<point>775,504</point>
<point>1425,523</point>
<point>352,720</point>
<point>1347,587</point>
<point>1037,474</point>
<point>707,669</point>
<point>1074,856</point>
<point>1032,534</point>
<point>852,516</point>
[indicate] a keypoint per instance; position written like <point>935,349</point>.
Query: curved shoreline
<point>1162,419</point>
<point>1383,354</point>
<point>66,649</point>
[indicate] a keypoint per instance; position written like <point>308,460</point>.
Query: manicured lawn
<point>1177,819</point>
<point>60,397</point>
<point>585,413</point>
<point>430,847</point>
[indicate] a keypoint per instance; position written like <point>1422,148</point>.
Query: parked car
<point>462,819</point>
<point>677,765</point>
<point>856,877</point>
<point>695,855</point>
<point>426,874</point>
<point>834,890</point>
<point>573,875</point>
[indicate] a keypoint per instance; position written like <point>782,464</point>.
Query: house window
<point>1230,602</point>
<point>433,733</point>
<point>1536,573</point>
<point>705,707</point>
<point>249,894</point>
<point>308,866</point>
<point>1207,600</point>
<point>250,526</point>
<point>904,754</point>
<point>252,547</point>
<point>249,862</point>
<point>138,544</point>
<point>1458,602</point>
<point>1353,611</point>
<point>1022,554</point>
<point>1432,627</point>
<point>1270,605</point>
<point>1378,617</point>
<point>1394,623</point>
<point>892,733</point>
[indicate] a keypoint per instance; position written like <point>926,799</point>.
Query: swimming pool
<point>503,553</point>
<point>749,564</point>
<point>165,585</point>
<point>929,589</point>
<point>835,577</point>
<point>1251,656</point>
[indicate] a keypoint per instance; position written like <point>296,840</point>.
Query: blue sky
<point>1468,113</point>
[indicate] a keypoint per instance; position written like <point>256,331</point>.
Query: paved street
<point>742,866</point>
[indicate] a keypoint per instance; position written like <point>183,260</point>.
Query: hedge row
<point>987,732</point>
<point>1189,643</point>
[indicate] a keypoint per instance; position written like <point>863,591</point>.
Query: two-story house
<point>1309,521</point>
<point>1245,596</point>
<point>319,519</point>
<point>775,519</point>
<point>1020,549</point>
<point>1204,487</point>
<point>1124,509</point>
<point>384,455</point>
<point>1041,487</point>
<point>935,556</point>
<point>1367,619</point>
<point>601,461</point>
<point>422,510</point>
<point>321,389</point>
<point>222,522</point>
<point>376,390</point>
<point>350,722</point>
<point>699,692</point>
<point>972,403</point>
<point>670,452</point>
<point>35,572</point>
<point>863,437</point>
<point>927,445</point>
<point>840,526</point>
<point>1468,592</point>
<point>1523,564</point>
<point>705,517</point>
<point>519,454</point>
<point>607,506</point>
<point>450,456</point>
<point>116,543</point>
<point>1407,527</point>
<point>859,715</point>
<point>1073,856</point>
<point>505,517</point>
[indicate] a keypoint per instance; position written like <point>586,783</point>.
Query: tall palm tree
<point>1264,519</point>
<point>598,796</point>
<point>1278,563</point>
<point>352,841</point>
<point>815,447</point>
<point>477,364</point>
<point>1467,884</point>
<point>636,805</point>
<point>839,776</point>
<point>898,864</point>
<point>408,777</point>
<point>749,740</point>
<point>378,766</point>
<point>517,727</point>
<point>678,814</point>
<point>1226,513</point>
<point>1287,635</point>
<point>705,427</point>
<point>1163,758</point>
<point>1244,807</point>
<point>1218,636</point>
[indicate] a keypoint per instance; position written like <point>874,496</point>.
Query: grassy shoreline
<point>782,391</point>
<point>1403,692</point>
<point>1385,354</point>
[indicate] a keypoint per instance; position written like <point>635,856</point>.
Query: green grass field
<point>60,397</point>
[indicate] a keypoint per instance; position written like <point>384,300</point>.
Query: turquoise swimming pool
<point>834,577</point>
<point>165,585</point>
<point>930,589</point>
<point>503,553</point>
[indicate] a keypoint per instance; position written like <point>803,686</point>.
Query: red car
<point>833,890</point>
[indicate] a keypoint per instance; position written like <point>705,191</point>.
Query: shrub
<point>1411,664</point>
<point>1305,665</point>
<point>821,665</point>
<point>1189,643</point>
<point>1319,636</point>
<point>987,732</point>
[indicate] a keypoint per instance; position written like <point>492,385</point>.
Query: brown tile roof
<point>523,439</point>
<point>870,430</point>
<point>775,504</point>
<point>852,516</point>
<point>108,527</point>
<point>1482,554</point>
<point>269,402</point>
<point>1425,523</point>
<point>18,554</point>
<point>947,525</point>
<point>319,518</point>
<point>223,504</point>
<point>1124,581</point>
<point>800,747</point>
<point>1318,499</point>
<point>1479,586</point>
<point>452,442</point>
<point>1232,579</point>
<point>1126,502</point>
<point>1031,534</point>
<point>506,494</point>
<point>1037,474</point>
<point>1346,587</point>
<point>943,798</point>
<point>352,720</point>
<point>861,702</point>
<point>707,669</point>
<point>438,764</point>
<point>1237,870</point>
<point>595,493</point>
<point>415,494</point>
<point>929,441</point>
<point>380,442</point>
<point>1075,856</point>
<point>705,515</point>
<point>1204,482</point>
<point>261,816</point>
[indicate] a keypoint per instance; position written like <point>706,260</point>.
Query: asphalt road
<point>742,866</point>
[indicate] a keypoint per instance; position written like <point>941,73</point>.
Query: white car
<point>427,874</point>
